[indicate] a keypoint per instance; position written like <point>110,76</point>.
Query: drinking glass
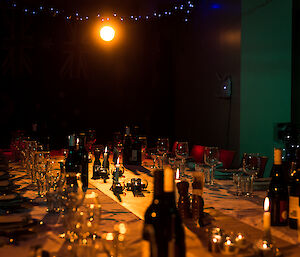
<point>251,167</point>
<point>237,182</point>
<point>211,158</point>
<point>162,147</point>
<point>41,164</point>
<point>182,153</point>
<point>55,182</point>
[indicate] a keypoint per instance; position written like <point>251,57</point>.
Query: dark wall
<point>209,45</point>
<point>159,75</point>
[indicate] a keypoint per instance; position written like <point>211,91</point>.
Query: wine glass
<point>162,147</point>
<point>211,158</point>
<point>251,167</point>
<point>182,153</point>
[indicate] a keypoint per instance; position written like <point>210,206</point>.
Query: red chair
<point>56,153</point>
<point>174,147</point>
<point>198,153</point>
<point>226,157</point>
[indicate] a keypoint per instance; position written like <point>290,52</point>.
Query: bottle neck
<point>169,186</point>
<point>158,184</point>
<point>277,156</point>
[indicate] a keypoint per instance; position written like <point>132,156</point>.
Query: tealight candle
<point>228,247</point>
<point>215,236</point>
<point>240,241</point>
<point>267,219</point>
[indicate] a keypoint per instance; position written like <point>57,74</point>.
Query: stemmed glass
<point>162,147</point>
<point>251,166</point>
<point>182,153</point>
<point>211,158</point>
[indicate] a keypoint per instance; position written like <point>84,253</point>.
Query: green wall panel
<point>266,59</point>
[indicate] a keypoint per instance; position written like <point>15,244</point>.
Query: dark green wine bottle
<point>278,193</point>
<point>294,193</point>
<point>153,231</point>
<point>173,228</point>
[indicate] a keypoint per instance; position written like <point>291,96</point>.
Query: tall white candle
<point>105,158</point>
<point>267,218</point>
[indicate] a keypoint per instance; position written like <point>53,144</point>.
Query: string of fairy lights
<point>183,9</point>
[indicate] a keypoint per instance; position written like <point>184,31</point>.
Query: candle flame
<point>267,204</point>
<point>118,160</point>
<point>106,149</point>
<point>177,175</point>
<point>228,242</point>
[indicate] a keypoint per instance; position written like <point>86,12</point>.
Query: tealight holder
<point>103,174</point>
<point>265,248</point>
<point>215,238</point>
<point>228,246</point>
<point>136,185</point>
<point>117,187</point>
<point>241,241</point>
<point>121,172</point>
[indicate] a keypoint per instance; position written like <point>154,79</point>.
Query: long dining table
<point>231,213</point>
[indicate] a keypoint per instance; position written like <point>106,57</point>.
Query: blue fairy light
<point>121,19</point>
<point>87,17</point>
<point>185,19</point>
<point>154,14</point>
<point>57,12</point>
<point>131,17</point>
<point>41,7</point>
<point>26,10</point>
<point>14,5</point>
<point>51,9</point>
<point>33,12</point>
<point>159,15</point>
<point>188,11</point>
<point>76,14</point>
<point>166,13</point>
<point>147,17</point>
<point>115,14</point>
<point>80,18</point>
<point>175,7</point>
<point>98,15</point>
<point>170,13</point>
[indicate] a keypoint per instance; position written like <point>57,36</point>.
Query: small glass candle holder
<point>215,238</point>
<point>241,241</point>
<point>265,248</point>
<point>228,246</point>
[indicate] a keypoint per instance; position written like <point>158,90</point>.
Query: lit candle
<point>177,176</point>
<point>105,158</point>
<point>229,248</point>
<point>177,180</point>
<point>117,169</point>
<point>267,219</point>
<point>240,241</point>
